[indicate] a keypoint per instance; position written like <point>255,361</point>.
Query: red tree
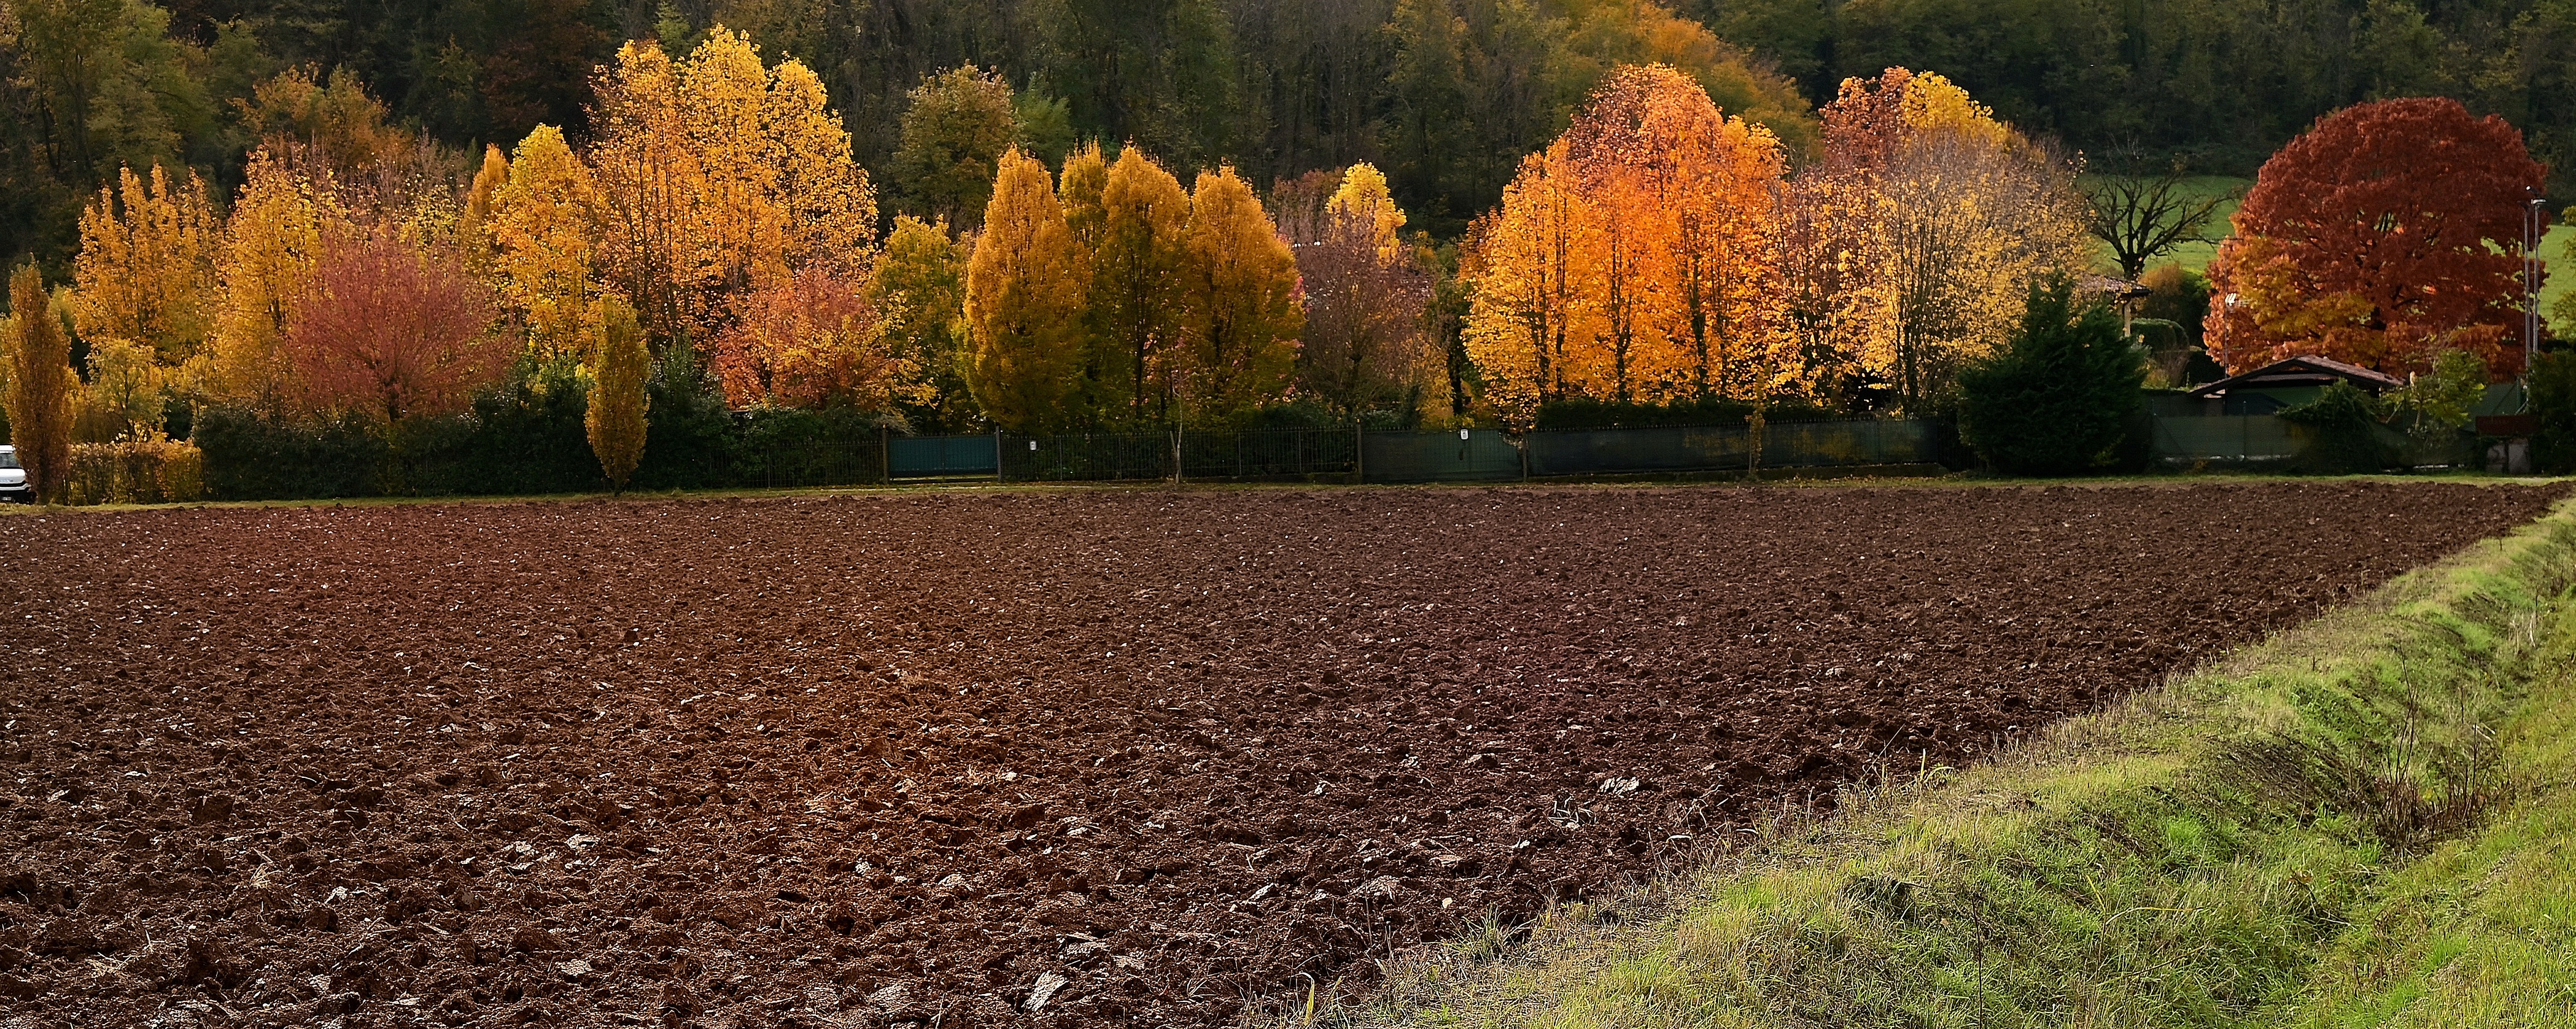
<point>2387,233</point>
<point>393,332</point>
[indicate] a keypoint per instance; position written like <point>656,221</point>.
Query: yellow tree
<point>1135,287</point>
<point>620,365</point>
<point>1022,299</point>
<point>919,290</point>
<point>1363,195</point>
<point>721,177</point>
<point>40,385</point>
<point>474,226</point>
<point>146,270</point>
<point>1239,340</point>
<point>283,220</point>
<point>1524,258</point>
<point>543,226</point>
<point>1084,182</point>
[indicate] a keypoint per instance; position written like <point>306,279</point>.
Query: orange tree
<point>2388,233</point>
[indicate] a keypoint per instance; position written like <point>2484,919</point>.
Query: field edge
<point>2177,859</point>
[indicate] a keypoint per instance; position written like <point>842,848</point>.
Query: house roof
<point>2301,371</point>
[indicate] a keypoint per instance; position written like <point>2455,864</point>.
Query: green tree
<point>620,366</point>
<point>919,288</point>
<point>1023,298</point>
<point>960,123</point>
<point>2553,401</point>
<point>2057,398</point>
<point>40,385</point>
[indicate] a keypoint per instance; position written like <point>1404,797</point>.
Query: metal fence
<point>2262,440</point>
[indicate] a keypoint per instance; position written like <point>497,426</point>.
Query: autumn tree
<point>1023,295</point>
<point>960,123</point>
<point>40,385</point>
<point>1134,297</point>
<point>620,366</point>
<point>1634,261</point>
<point>332,117</point>
<point>2389,232</point>
<point>719,176</point>
<point>810,340</point>
<point>146,270</point>
<point>281,222</point>
<point>543,227</point>
<point>474,223</point>
<point>1240,305</point>
<point>1366,345</point>
<point>123,395</point>
<point>391,332</point>
<point>1967,212</point>
<point>919,291</point>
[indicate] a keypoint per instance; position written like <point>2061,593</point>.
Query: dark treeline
<point>1445,95</point>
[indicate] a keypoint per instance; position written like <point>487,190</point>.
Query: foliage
<point>124,395</point>
<point>1367,345</point>
<point>2143,217</point>
<point>136,471</point>
<point>1919,232</point>
<point>614,415</point>
<point>1239,305</point>
<point>2553,403</point>
<point>40,385</point>
<point>810,340</point>
<point>1137,263</point>
<point>1021,286</point>
<point>279,228</point>
<point>919,292</point>
<point>249,456</point>
<point>959,124</point>
<point>2386,234</point>
<point>336,121</point>
<point>2344,432</point>
<point>146,270</point>
<point>2056,399</point>
<point>390,332</point>
<point>2439,402</point>
<point>718,177</point>
<point>1633,260</point>
<point>543,229</point>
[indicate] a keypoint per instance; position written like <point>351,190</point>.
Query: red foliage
<point>805,341</point>
<point>2387,233</point>
<point>393,332</point>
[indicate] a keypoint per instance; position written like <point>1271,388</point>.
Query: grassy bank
<point>2362,822</point>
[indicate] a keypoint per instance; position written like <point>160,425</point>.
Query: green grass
<point>2181,860</point>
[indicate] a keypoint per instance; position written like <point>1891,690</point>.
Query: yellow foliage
<point>146,270</point>
<point>620,367</point>
<point>1023,297</point>
<point>474,226</point>
<point>544,224</point>
<point>281,222</point>
<point>720,177</point>
<point>1363,194</point>
<point>1239,343</point>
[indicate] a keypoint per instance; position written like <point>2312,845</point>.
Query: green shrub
<point>2056,399</point>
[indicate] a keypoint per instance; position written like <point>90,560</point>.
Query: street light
<point>2532,213</point>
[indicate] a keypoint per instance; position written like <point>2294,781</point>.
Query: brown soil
<point>873,760</point>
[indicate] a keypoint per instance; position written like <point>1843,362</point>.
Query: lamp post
<point>2532,213</point>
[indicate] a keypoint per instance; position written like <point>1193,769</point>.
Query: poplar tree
<point>1022,298</point>
<point>40,384</point>
<point>474,228</point>
<point>619,367</point>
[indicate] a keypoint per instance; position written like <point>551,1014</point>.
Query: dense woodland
<point>1445,95</point>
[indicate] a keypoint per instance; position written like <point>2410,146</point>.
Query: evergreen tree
<point>2057,398</point>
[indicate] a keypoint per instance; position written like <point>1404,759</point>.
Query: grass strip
<point>2363,821</point>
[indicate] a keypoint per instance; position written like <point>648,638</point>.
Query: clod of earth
<point>1079,758</point>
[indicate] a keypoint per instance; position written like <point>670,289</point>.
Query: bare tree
<point>2144,217</point>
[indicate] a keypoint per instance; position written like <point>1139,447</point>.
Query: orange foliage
<point>2388,233</point>
<point>807,340</point>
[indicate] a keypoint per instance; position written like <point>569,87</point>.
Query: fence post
<point>1359,453</point>
<point>997,453</point>
<point>1176,453</point>
<point>885,454</point>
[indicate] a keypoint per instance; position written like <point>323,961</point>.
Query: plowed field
<point>1115,757</point>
